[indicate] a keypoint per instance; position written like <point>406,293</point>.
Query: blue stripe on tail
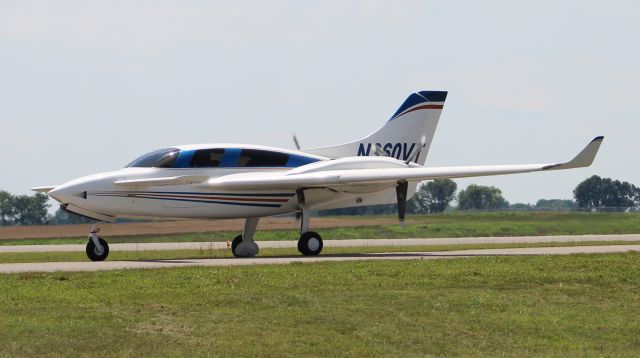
<point>420,97</point>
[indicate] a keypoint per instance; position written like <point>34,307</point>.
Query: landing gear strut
<point>97,248</point>
<point>243,245</point>
<point>310,242</point>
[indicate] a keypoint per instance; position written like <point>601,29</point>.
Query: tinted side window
<point>262,158</point>
<point>163,158</point>
<point>207,158</point>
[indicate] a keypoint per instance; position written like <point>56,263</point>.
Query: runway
<point>116,265</point>
<point>328,243</point>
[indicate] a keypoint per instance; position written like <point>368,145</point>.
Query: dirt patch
<point>182,226</point>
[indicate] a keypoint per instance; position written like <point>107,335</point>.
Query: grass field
<point>579,305</point>
<point>425,226</point>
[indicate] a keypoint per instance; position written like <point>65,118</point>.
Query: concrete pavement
<point>115,265</point>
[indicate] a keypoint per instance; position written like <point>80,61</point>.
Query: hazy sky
<point>86,86</point>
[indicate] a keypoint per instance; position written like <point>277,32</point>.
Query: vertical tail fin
<point>402,136</point>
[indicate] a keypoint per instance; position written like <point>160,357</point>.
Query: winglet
<point>583,159</point>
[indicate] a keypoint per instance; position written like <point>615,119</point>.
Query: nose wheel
<point>97,248</point>
<point>97,253</point>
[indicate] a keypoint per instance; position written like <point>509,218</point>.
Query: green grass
<point>427,226</point>
<point>208,253</point>
<point>579,305</point>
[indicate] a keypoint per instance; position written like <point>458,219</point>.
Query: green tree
<point>479,197</point>
<point>434,196</point>
<point>30,210</point>
<point>555,204</point>
<point>520,207</point>
<point>597,192</point>
<point>6,208</point>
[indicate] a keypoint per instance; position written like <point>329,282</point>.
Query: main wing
<point>336,178</point>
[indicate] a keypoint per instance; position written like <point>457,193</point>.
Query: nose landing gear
<point>97,248</point>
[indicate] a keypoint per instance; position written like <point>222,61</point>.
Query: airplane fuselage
<point>108,195</point>
<point>182,201</point>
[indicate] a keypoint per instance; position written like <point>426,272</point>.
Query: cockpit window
<point>163,158</point>
<point>262,158</point>
<point>207,158</point>
<point>219,158</point>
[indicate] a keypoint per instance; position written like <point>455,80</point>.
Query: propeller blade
<point>401,195</point>
<point>423,143</point>
<point>295,141</point>
<point>380,152</point>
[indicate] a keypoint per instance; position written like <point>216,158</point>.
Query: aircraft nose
<point>66,194</point>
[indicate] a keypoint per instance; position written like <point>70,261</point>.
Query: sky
<point>87,86</point>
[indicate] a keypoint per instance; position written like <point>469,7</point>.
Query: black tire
<point>310,244</point>
<point>236,241</point>
<point>94,254</point>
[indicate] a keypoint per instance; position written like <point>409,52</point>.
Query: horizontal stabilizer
<point>177,180</point>
<point>43,189</point>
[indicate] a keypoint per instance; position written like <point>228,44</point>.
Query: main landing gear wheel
<point>244,248</point>
<point>310,243</point>
<point>234,244</point>
<point>243,245</point>
<point>97,254</point>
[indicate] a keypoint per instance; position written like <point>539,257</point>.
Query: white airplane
<point>248,181</point>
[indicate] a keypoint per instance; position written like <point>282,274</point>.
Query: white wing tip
<point>583,159</point>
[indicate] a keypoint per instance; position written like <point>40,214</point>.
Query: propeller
<point>402,186</point>
<point>401,195</point>
<point>380,152</point>
<point>423,143</point>
<point>295,141</point>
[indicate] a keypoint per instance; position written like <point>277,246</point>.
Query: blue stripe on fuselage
<point>194,193</point>
<point>148,196</point>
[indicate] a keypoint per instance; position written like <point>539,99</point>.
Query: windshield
<point>163,158</point>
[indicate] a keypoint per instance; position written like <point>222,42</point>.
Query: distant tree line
<point>23,209</point>
<point>33,210</point>
<point>594,193</point>
<point>436,196</point>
